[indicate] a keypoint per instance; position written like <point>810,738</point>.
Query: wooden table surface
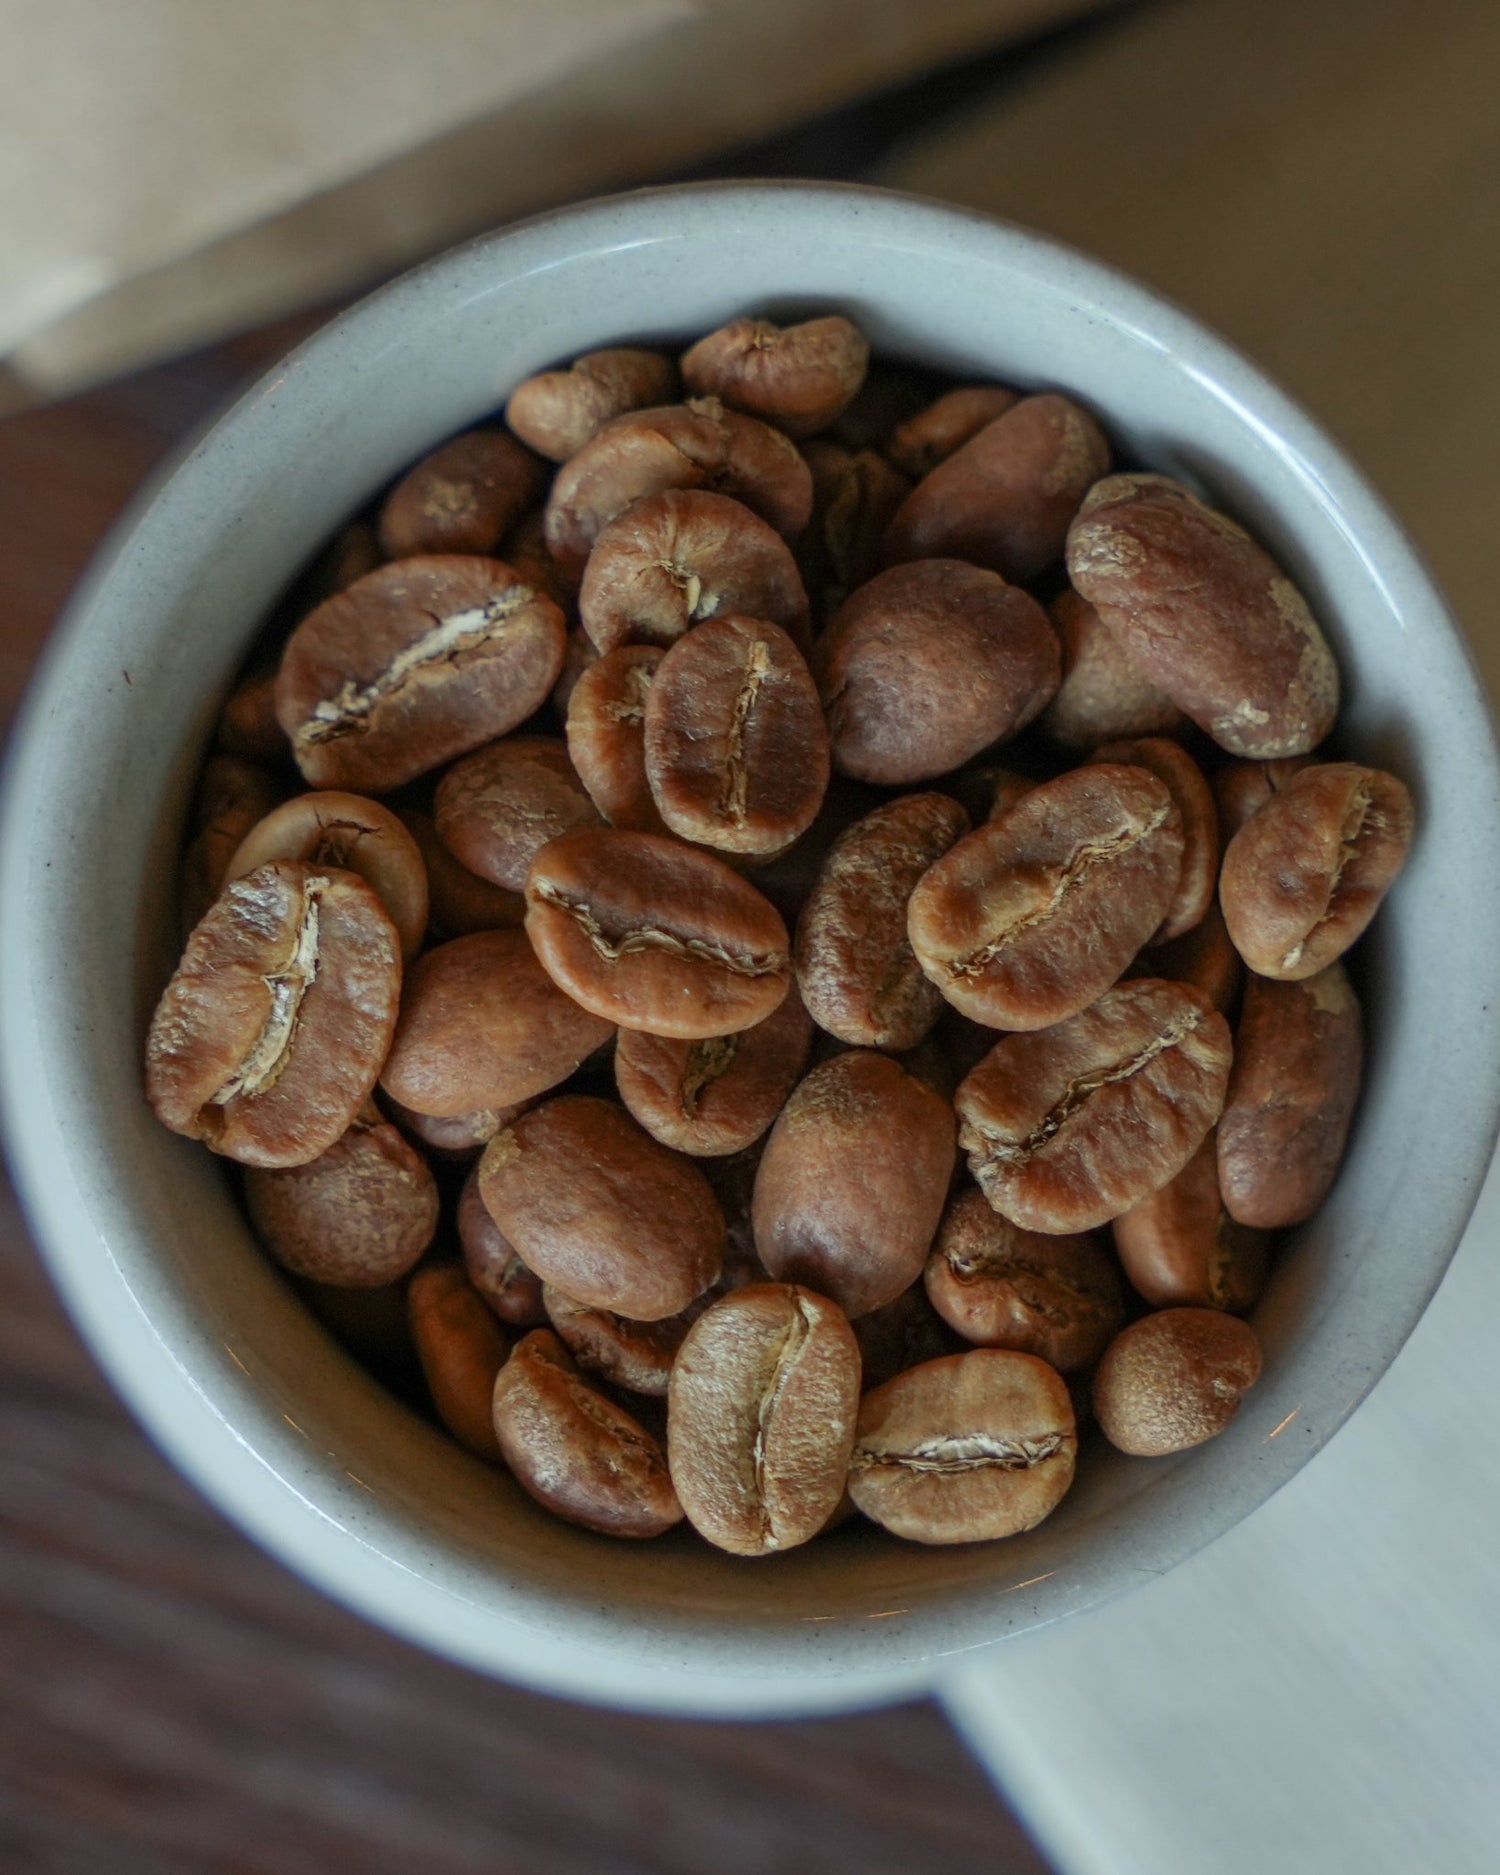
<point>174,1702</point>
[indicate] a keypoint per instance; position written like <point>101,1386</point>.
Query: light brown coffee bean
<point>354,834</point>
<point>675,560</point>
<point>929,663</point>
<point>1241,789</point>
<point>607,736</point>
<point>598,1208</point>
<point>576,1452</point>
<point>799,377</point>
<point>1174,1379</point>
<point>358,1216</point>
<point>556,412</point>
<point>247,723</point>
<point>458,901</point>
<point>1070,1126</point>
<point>694,445</point>
<point>1298,1060</point>
<point>1183,779</point>
<point>1305,874</point>
<point>736,751</point>
<point>1181,1248</point>
<point>1205,613</point>
<point>855,966</point>
<point>716,1096</point>
<point>965,1449</point>
<point>1031,917</point>
<point>852,1181</point>
<point>902,1334</point>
<point>1102,695</point>
<point>637,1356</point>
<point>267,1041</point>
<point>483,1026</point>
<point>655,935</point>
<point>497,808</point>
<point>462,1349</point>
<point>233,795</point>
<point>764,1394</point>
<point>462,498</point>
<point>919,444</point>
<point>414,664</point>
<point>1204,957</point>
<point>1057,1297</point>
<point>493,1264</point>
<point>855,494</point>
<point>1004,499</point>
<point>457,1137</point>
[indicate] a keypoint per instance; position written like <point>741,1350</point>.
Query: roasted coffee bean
<point>579,656</point>
<point>455,1136</point>
<point>1204,957</point>
<point>694,445</point>
<point>761,1415</point>
<point>681,558</point>
<point>798,377</point>
<point>1031,917</point>
<point>355,834</point>
<point>655,935</point>
<point>787,879</point>
<point>607,736</point>
<point>576,1452</point>
<point>1006,788</point>
<point>855,966</point>
<point>1183,779</point>
<point>525,551</point>
<point>736,751</point>
<point>919,444</point>
<point>497,808</point>
<point>358,1216</point>
<point>1068,1127</point>
<point>1181,1248</point>
<point>637,1356</point>
<point>1306,873</point>
<point>247,723</point>
<point>1102,695</point>
<point>852,1181</point>
<point>929,663</point>
<point>967,1448</point>
<point>717,1096</point>
<point>598,1208</point>
<point>267,1041</point>
<point>557,412</point>
<point>1241,789</point>
<point>1057,1297</point>
<point>1205,613</point>
<point>372,1325</point>
<point>1174,1379</point>
<point>1004,499</point>
<point>1298,1059</point>
<point>463,498</point>
<point>458,901</point>
<point>462,1348</point>
<point>232,796</point>
<point>902,1334</point>
<point>493,1266</point>
<point>855,494</point>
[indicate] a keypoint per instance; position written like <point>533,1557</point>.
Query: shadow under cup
<point>230,1373</point>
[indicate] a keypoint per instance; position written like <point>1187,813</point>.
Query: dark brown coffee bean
<point>1102,695</point>
<point>855,493</point>
<point>1057,1297</point>
<point>787,879</point>
<point>1006,788</point>
<point>763,1399</point>
<point>732,1179</point>
<point>458,901</point>
<point>852,1181</point>
<point>1032,916</point>
<point>637,1356</point>
<point>493,1266</point>
<point>370,1324</point>
<point>798,377</point>
<point>1205,613</point>
<point>1183,779</point>
<point>919,444</point>
<point>557,412</point>
<point>462,1348</point>
<point>929,663</point>
<point>233,795</point>
<point>736,751</point>
<point>855,966</point>
<point>482,1026</point>
<point>247,723</point>
<point>598,1208</point>
<point>1305,875</point>
<point>497,808</point>
<point>574,1450</point>
<point>964,1449</point>
<point>1068,1127</point>
<point>579,656</point>
<point>1241,789</point>
<point>455,1136</point>
<point>463,498</point>
<point>1174,1379</point>
<point>1298,1059</point>
<point>655,935</point>
<point>1204,957</point>
<point>526,552</point>
<point>902,1334</point>
<point>607,736</point>
<point>416,663</point>
<point>267,1041</point>
<point>1181,1248</point>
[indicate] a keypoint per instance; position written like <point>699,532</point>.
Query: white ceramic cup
<point>229,1373</point>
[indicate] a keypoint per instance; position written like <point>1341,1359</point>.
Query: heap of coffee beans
<point>743,990</point>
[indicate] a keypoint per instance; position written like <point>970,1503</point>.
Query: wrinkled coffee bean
<point>462,1349</point>
<point>415,663</point>
<point>1102,696</point>
<point>1070,1126</point>
<point>268,1039</point>
<point>1306,873</point>
<point>493,1265</point>
<point>764,1394</point>
<point>855,966</point>
<point>599,1209</point>
<point>1174,1379</point>
<point>1241,789</point>
<point>463,498</point>
<point>852,1181</point>
<point>1205,613</point>
<point>654,935</point>
<point>458,901</point>
<point>901,1334</point>
<point>1298,1060</point>
<point>454,1136</point>
<point>1204,957</point>
<point>1183,779</point>
<point>607,736</point>
<point>557,412</point>
<point>497,808</point>
<point>247,723</point>
<point>637,1356</point>
<point>855,493</point>
<point>919,444</point>
<point>232,796</point>
<point>929,663</point>
<point>1031,917</point>
<point>1057,1297</point>
<point>798,377</point>
<point>967,1448</point>
<point>1181,1248</point>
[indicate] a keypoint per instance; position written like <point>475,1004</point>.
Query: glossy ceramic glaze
<point>240,1386</point>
